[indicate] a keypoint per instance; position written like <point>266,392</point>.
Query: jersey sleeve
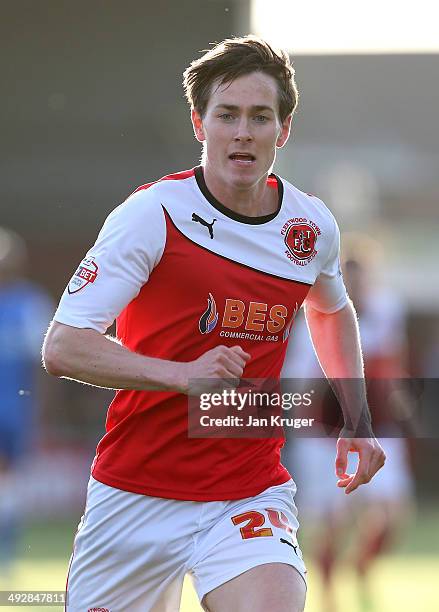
<point>128,247</point>
<point>328,294</point>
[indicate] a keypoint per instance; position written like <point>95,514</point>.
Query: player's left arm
<point>333,326</point>
<point>336,340</point>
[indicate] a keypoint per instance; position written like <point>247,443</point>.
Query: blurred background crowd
<point>94,107</point>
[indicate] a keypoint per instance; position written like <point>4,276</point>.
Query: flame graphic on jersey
<point>209,318</point>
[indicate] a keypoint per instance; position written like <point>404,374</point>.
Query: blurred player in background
<point>374,517</point>
<point>204,271</point>
<point>25,310</point>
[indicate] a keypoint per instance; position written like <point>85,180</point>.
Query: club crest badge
<point>86,273</point>
<point>300,237</point>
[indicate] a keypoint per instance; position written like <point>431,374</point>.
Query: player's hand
<point>219,368</point>
<point>371,459</point>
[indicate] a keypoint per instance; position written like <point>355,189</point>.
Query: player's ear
<point>197,124</point>
<point>284,132</point>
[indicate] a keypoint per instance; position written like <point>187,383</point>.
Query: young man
<point>186,265</point>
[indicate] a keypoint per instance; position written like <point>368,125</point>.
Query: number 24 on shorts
<point>255,521</point>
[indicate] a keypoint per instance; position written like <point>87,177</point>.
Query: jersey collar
<point>199,177</point>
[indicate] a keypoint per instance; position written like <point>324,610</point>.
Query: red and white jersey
<point>182,274</point>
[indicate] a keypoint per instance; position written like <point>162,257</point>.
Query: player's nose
<point>243,131</point>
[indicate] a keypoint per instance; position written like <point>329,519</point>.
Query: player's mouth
<point>244,159</point>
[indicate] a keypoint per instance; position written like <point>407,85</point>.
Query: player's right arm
<point>88,356</point>
<point>128,247</point>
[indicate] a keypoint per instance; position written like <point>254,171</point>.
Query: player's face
<point>241,129</point>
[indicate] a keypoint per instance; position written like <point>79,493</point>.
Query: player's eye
<point>226,116</point>
<point>261,118</point>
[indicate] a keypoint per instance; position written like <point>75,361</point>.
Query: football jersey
<point>182,274</point>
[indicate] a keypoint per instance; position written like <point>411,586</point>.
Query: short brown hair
<point>233,58</point>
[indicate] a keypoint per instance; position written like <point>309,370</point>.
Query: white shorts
<point>132,552</point>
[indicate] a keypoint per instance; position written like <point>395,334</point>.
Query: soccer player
<point>204,271</point>
<point>25,311</point>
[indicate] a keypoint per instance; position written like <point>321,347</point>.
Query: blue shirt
<point>25,312</point>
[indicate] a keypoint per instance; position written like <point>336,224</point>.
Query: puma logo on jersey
<point>289,544</point>
<point>209,226</point>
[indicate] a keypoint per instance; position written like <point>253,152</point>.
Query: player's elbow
<point>52,361</point>
<point>319,315</point>
<point>54,352</point>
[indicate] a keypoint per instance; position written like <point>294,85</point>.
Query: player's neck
<point>256,201</point>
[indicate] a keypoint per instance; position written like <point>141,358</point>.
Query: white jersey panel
<point>258,246</point>
<point>128,247</point>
